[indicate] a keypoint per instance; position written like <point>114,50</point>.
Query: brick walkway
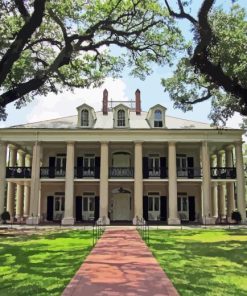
<point>120,265</point>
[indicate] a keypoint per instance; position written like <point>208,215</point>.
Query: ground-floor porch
<point>87,203</point>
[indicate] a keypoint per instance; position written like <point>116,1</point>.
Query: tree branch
<point>182,14</point>
<point>22,9</point>
<point>22,37</point>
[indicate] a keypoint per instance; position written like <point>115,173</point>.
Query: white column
<point>172,177</point>
<point>138,184</point>
<point>103,186</point>
<point>241,203</point>
<point>3,150</point>
<point>221,188</point>
<point>229,185</point>
<point>69,186</point>
<point>20,188</point>
<point>206,185</point>
<point>214,190</point>
<point>27,189</point>
<point>11,186</point>
<point>35,186</point>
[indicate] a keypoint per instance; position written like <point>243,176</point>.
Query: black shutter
<point>79,167</point>
<point>190,165</point>
<point>52,161</point>
<point>97,167</point>
<point>163,173</point>
<point>163,208</point>
<point>192,213</point>
<point>78,208</point>
<point>145,208</point>
<point>145,167</point>
<point>50,202</point>
<point>96,208</point>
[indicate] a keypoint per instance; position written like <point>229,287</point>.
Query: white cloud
<point>64,104</point>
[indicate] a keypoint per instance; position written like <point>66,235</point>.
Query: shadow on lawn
<point>202,268</point>
<point>41,265</point>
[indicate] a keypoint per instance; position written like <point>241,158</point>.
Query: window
<point>183,206</point>
<point>158,119</point>
<point>121,118</point>
<point>88,204</point>
<point>58,207</point>
<point>84,118</point>
<point>154,165</point>
<point>154,203</point>
<point>88,165</point>
<point>182,166</point>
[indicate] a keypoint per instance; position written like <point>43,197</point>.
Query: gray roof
<point>106,122</point>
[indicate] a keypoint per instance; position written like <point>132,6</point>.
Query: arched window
<point>121,118</point>
<point>158,118</point>
<point>84,118</point>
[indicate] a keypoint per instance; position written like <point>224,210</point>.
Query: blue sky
<point>152,92</point>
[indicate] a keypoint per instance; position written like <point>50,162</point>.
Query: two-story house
<point>121,164</point>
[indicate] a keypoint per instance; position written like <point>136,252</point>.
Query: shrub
<point>236,216</point>
<point>5,216</point>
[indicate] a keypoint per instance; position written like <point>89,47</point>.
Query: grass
<point>203,262</point>
<point>41,264</point>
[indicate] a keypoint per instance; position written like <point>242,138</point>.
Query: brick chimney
<point>138,102</point>
<point>105,102</point>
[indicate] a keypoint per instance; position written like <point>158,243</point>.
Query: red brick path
<point>120,265</point>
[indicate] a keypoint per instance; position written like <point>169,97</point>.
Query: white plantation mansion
<point>121,164</point>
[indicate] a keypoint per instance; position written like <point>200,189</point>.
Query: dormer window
<point>121,118</point>
<point>84,117</point>
<point>158,122</point>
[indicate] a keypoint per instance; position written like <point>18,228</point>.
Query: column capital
<point>138,142</point>
<point>21,152</point>
<point>104,142</point>
<point>172,143</point>
<point>229,147</point>
<point>71,143</point>
<point>239,143</point>
<point>220,152</point>
<point>12,147</point>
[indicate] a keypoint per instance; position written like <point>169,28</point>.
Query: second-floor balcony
<point>87,172</point>
<point>223,172</point>
<point>18,172</point>
<point>52,172</point>
<point>189,172</point>
<point>116,172</point>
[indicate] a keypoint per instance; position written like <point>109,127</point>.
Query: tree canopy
<point>49,45</point>
<point>214,67</point>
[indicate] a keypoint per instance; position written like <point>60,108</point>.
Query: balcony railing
<point>189,172</point>
<point>156,173</point>
<point>121,172</point>
<point>223,173</point>
<point>18,172</point>
<point>86,172</point>
<point>51,172</point>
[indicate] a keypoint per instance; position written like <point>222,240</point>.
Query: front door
<point>183,207</point>
<point>121,207</point>
<point>58,208</point>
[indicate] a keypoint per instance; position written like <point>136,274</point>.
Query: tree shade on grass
<point>203,262</point>
<point>41,264</point>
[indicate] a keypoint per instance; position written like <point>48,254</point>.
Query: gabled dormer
<point>121,116</point>
<point>86,116</point>
<point>156,116</point>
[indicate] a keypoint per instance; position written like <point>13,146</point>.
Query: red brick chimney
<point>105,102</point>
<point>138,102</point>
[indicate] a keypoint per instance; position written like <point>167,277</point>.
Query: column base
<point>174,221</point>
<point>68,221</point>
<point>209,220</point>
<point>138,220</point>
<point>32,221</point>
<point>103,221</point>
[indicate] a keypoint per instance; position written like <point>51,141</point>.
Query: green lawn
<point>41,264</point>
<point>203,262</point>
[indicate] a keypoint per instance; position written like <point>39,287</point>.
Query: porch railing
<point>18,172</point>
<point>86,172</point>
<point>223,173</point>
<point>121,172</point>
<point>189,172</point>
<point>52,172</point>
